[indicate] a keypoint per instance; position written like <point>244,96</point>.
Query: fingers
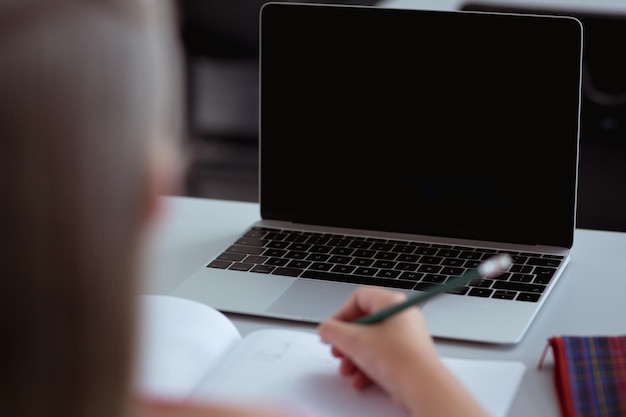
<point>339,333</point>
<point>361,381</point>
<point>336,352</point>
<point>347,368</point>
<point>366,300</point>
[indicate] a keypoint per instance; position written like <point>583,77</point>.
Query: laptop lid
<point>439,123</point>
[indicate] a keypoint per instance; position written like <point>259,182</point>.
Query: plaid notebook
<point>589,375</point>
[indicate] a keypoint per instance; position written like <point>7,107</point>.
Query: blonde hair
<point>88,92</point>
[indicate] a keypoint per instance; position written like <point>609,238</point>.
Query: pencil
<point>491,267</point>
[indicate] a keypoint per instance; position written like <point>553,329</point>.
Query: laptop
<point>400,148</point>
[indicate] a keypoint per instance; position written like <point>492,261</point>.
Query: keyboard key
<point>388,273</point>
<point>429,269</point>
<point>298,264</point>
<point>277,261</point>
<point>423,250</point>
<point>317,257</point>
<point>480,282</point>
<point>432,260</point>
<point>362,262</point>
<point>521,278</point>
<point>470,255</point>
<point>360,244</point>
<point>252,250</point>
<point>275,253</point>
<point>453,262</point>
<point>412,276</point>
<point>436,278</point>
<point>339,259</point>
<point>399,248</point>
<point>321,249</point>
<point>255,232</point>
<point>480,292</point>
<point>448,253</point>
<point>544,262</point>
<point>518,259</point>
<point>342,251</point>
<point>277,244</point>
<point>262,269</point>
<point>363,253</point>
<point>276,235</point>
<point>458,290</point>
<point>405,257</point>
<point>524,269</point>
<point>358,279</point>
<point>406,266</point>
<point>219,264</point>
<point>301,247</point>
<point>290,272</point>
<point>386,247</point>
<point>317,240</point>
<point>232,256</point>
<point>338,242</point>
<point>385,264</point>
<point>343,269</point>
<point>518,286</point>
<point>386,255</point>
<point>471,264</point>
<point>543,275</point>
<point>321,266</point>
<point>524,296</point>
<point>453,271</point>
<point>248,241</point>
<point>296,238</point>
<point>295,255</point>
<point>370,272</point>
<point>425,286</point>
<point>504,295</point>
<point>241,266</point>
<point>255,259</point>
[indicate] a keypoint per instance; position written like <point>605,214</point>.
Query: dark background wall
<point>221,43</point>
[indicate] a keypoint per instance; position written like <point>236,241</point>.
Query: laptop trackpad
<point>311,300</point>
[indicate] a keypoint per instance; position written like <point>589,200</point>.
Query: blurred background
<point>221,52</point>
<point>221,48</point>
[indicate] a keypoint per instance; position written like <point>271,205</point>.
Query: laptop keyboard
<point>407,265</point>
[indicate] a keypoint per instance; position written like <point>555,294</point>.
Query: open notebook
<point>399,148</point>
<point>189,350</point>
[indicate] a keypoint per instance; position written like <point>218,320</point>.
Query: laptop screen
<point>456,124</point>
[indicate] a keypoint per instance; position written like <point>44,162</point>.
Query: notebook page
<point>296,369</point>
<point>180,341</point>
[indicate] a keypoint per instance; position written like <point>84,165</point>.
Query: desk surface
<point>193,229</point>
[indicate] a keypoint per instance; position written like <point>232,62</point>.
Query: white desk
<point>192,229</point>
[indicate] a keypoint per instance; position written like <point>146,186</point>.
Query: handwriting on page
<point>271,353</point>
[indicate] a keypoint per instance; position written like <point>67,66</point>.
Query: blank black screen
<point>458,124</point>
